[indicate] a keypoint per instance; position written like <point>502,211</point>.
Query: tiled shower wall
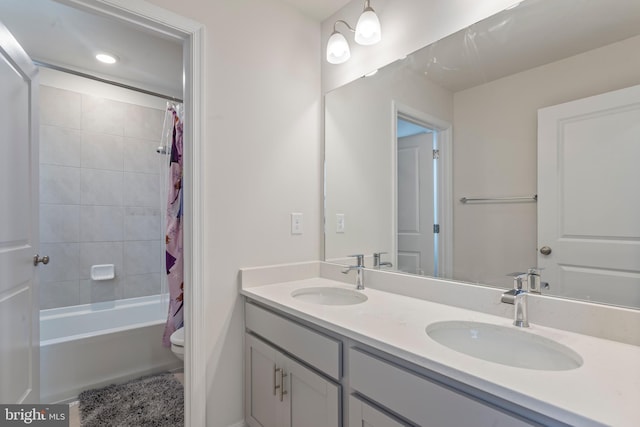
<point>99,197</point>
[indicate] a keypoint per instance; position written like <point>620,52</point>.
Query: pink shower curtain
<point>173,239</point>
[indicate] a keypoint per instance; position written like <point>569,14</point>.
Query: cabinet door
<point>362,414</point>
<point>310,400</point>
<point>261,395</point>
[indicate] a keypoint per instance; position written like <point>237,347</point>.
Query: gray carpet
<point>156,401</point>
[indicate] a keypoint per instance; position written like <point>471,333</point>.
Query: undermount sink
<point>329,296</point>
<point>504,345</point>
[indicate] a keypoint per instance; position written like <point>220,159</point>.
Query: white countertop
<point>605,390</point>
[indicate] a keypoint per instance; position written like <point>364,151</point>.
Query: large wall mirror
<point>512,144</point>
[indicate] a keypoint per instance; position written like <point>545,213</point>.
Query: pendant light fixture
<point>367,33</point>
<point>337,47</point>
<point>368,28</point>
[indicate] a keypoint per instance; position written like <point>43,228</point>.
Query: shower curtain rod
<point>109,82</point>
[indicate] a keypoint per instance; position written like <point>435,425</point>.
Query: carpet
<point>156,401</point>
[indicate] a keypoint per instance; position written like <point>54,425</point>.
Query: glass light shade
<point>368,30</point>
<point>337,49</point>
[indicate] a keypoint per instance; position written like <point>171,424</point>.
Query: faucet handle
<point>533,280</point>
<point>517,279</point>
<point>376,258</point>
<point>359,259</point>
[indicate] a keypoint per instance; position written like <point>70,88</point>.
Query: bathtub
<point>93,345</point>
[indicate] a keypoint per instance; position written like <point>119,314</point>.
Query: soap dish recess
<point>103,272</point>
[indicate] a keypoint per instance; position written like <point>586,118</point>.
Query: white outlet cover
<point>296,223</point>
<point>340,223</point>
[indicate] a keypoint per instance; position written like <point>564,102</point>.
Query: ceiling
<point>60,35</point>
<point>57,34</point>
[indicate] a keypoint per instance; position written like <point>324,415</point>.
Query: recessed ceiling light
<point>106,58</point>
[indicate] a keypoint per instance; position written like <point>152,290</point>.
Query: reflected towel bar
<point>499,199</point>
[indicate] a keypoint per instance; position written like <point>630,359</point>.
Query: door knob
<point>38,259</point>
<point>545,250</point>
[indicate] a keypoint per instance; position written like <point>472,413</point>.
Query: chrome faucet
<point>523,284</point>
<point>359,267</point>
<point>376,260</point>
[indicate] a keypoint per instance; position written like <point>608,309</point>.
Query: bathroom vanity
<point>320,353</point>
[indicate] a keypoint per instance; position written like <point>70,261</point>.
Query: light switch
<point>296,223</point>
<point>339,223</point>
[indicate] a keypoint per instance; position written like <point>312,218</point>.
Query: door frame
<point>445,177</point>
<point>192,35</point>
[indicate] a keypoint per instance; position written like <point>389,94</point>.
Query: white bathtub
<point>93,345</point>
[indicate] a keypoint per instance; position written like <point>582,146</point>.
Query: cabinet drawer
<point>419,399</point>
<point>319,351</point>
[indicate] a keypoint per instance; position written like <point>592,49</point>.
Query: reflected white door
<point>415,204</point>
<point>589,201</point>
<point>19,314</point>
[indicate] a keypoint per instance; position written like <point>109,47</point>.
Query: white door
<point>415,204</point>
<point>19,314</point>
<point>589,200</point>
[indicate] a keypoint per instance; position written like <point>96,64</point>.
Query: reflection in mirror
<point>538,100</point>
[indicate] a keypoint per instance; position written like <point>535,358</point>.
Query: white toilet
<point>177,343</point>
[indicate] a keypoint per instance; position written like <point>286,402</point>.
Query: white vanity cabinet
<point>294,376</point>
<point>280,391</point>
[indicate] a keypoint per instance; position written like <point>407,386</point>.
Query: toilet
<point>177,343</point>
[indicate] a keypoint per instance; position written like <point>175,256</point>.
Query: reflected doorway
<point>417,235</point>
<point>421,195</point>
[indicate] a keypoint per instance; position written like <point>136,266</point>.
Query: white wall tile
<point>142,223</point>
<point>59,294</point>
<point>102,151</point>
<point>141,189</point>
<point>63,262</point>
<point>101,223</point>
<point>96,253</point>
<point>59,223</point>
<point>59,184</point>
<point>143,122</point>
<point>100,291</point>
<point>88,207</point>
<point>59,107</point>
<point>141,285</point>
<point>142,257</point>
<point>102,115</point>
<point>59,146</point>
<point>101,187</point>
<point>141,156</point>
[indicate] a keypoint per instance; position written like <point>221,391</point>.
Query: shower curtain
<point>173,237</point>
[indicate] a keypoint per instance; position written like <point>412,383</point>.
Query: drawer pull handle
<point>275,380</point>
<point>283,375</point>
